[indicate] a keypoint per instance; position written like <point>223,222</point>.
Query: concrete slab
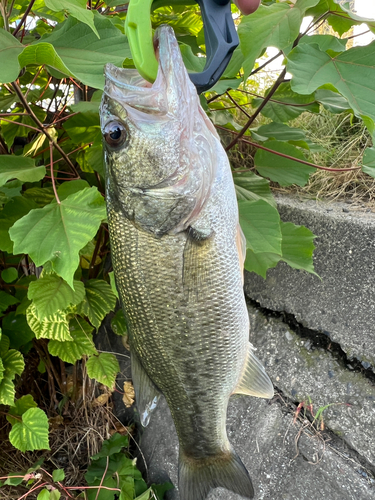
<point>342,304</point>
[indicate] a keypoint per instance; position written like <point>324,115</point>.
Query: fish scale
<point>178,263</point>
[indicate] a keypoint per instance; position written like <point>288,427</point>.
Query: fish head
<point>160,146</point>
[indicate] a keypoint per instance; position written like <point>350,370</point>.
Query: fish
<point>178,255</point>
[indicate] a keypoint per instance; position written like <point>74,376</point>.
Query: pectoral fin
<point>254,380</point>
<point>146,393</point>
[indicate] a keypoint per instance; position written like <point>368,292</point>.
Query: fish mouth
<point>172,82</point>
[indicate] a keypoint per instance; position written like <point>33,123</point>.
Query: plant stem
<point>52,176</point>
<point>258,110</point>
<point>40,125</point>
<point>24,17</point>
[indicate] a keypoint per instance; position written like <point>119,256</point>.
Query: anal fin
<point>146,393</point>
<point>254,380</point>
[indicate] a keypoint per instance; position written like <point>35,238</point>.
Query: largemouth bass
<point>178,255</point>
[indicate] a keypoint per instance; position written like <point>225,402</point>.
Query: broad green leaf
<point>103,368</point>
<point>11,189</point>
<point>99,301</point>
<point>58,475</point>
<point>250,186</point>
<point>44,495</point>
<point>81,345</point>
<point>19,167</point>
<point>2,370</point>
<point>55,495</point>
<point>68,188</point>
<point>11,130</point>
<point>112,445</point>
<point>57,232</point>
<point>281,132</point>
<point>193,63</point>
<point>43,53</point>
<point>41,196</point>
<point>16,328</point>
<point>225,84</point>
<point>15,209</point>
<point>259,263</point>
<point>84,127</point>
<point>352,73</point>
<point>325,42</point>
<point>112,282</point>
<point>10,47</point>
<point>6,300</point>
<point>83,53</point>
<point>276,25</point>
<point>333,101</point>
<point>32,433</point>
<point>369,162</point>
<point>51,293</point>
<point>55,326</point>
<point>13,364</point>
<point>77,9</point>
<point>279,169</point>
<point>9,275</point>
<point>4,345</point>
<point>6,99</point>
<point>118,323</point>
<point>19,408</point>
<point>260,223</point>
<point>297,246</point>
<point>289,104</point>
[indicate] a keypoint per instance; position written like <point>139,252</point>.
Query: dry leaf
<point>128,397</point>
<point>101,400</point>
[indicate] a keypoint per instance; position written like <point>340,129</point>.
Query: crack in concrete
<point>319,340</point>
<point>365,469</point>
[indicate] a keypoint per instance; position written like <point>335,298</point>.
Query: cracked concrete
<point>341,304</point>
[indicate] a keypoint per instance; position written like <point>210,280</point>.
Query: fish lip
<point>128,79</point>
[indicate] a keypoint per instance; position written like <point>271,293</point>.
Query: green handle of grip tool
<point>138,29</point>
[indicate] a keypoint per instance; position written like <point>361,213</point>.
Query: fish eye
<point>115,134</point>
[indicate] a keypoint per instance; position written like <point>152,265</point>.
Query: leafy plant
<point>56,282</point>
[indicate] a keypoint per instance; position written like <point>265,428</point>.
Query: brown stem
<point>304,162</point>
<point>52,176</point>
<point>33,81</point>
<point>22,124</point>
<point>237,105</point>
<point>24,17</point>
<point>45,132</point>
<point>258,110</point>
<point>259,68</point>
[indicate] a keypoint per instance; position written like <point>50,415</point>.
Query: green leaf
<point>294,104</point>
<point>6,300</point>
<point>369,162</point>
<point>10,47</point>
<point>77,9</point>
<point>280,169</point>
<point>58,475</point>
<point>51,293</point>
<point>55,495</point>
<point>68,188</point>
<point>9,275</point>
<point>297,246</point>
<point>193,63</point>
<point>13,364</point>
<point>276,25</point>
<point>118,323</point>
<point>112,282</point>
<point>41,196</point>
<point>325,42</point>
<point>81,345</point>
<point>250,186</point>
<point>19,167</point>
<point>55,326</point>
<point>352,73</point>
<point>4,345</point>
<point>32,433</point>
<point>12,130</point>
<point>83,53</point>
<point>281,132</point>
<point>84,127</point>
<point>15,209</point>
<point>112,445</point>
<point>103,368</point>
<point>17,329</point>
<point>43,53</point>
<point>19,408</point>
<point>259,263</point>
<point>57,232</point>
<point>260,223</point>
<point>44,495</point>
<point>333,101</point>
<point>99,301</point>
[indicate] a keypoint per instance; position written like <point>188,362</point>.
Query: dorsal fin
<point>254,380</point>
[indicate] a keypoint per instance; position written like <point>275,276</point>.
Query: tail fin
<point>197,477</point>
